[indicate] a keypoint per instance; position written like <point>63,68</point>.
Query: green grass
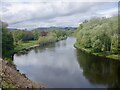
<point>43,40</point>
<point>113,57</point>
<point>102,54</point>
<point>24,45</point>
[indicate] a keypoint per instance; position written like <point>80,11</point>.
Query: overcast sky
<point>41,13</point>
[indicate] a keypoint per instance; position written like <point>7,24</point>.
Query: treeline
<point>24,35</point>
<point>52,36</point>
<point>98,35</point>
<point>42,37</point>
<point>14,41</point>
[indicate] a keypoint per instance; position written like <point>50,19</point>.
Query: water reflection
<point>43,48</point>
<point>99,70</point>
<point>61,65</point>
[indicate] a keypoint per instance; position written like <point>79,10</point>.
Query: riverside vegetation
<point>99,36</point>
<point>22,41</point>
<point>25,39</point>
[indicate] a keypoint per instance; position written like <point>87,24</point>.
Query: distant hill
<point>47,28</point>
<point>55,28</point>
<point>12,29</point>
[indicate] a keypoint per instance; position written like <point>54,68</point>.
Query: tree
<point>18,36</point>
<point>97,46</point>
<point>114,44</point>
<point>106,41</point>
<point>36,35</point>
<point>28,35</point>
<point>7,43</point>
<point>99,34</point>
<point>86,42</point>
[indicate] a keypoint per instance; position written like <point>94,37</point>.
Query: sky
<point>31,14</point>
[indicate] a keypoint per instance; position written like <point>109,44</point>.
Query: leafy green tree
<point>52,37</point>
<point>36,35</point>
<point>114,44</point>
<point>28,35</point>
<point>97,46</point>
<point>18,36</point>
<point>99,34</point>
<point>7,43</point>
<point>106,42</point>
<point>86,42</point>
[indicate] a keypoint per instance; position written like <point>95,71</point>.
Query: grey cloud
<point>36,14</point>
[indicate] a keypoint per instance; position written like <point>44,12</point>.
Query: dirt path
<point>10,75</point>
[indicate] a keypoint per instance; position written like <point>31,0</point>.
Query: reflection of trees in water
<point>43,48</point>
<point>37,49</point>
<point>64,43</point>
<point>98,70</point>
<point>61,43</point>
<point>22,53</point>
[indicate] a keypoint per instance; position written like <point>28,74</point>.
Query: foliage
<point>61,34</point>
<point>23,35</point>
<point>114,44</point>
<point>24,45</point>
<point>36,35</point>
<point>28,35</point>
<point>97,45</point>
<point>100,34</point>
<point>18,36</point>
<point>18,40</point>
<point>7,42</point>
<point>50,38</point>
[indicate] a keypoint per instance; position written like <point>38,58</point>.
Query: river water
<point>60,65</point>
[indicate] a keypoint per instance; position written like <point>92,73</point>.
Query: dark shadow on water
<point>99,70</point>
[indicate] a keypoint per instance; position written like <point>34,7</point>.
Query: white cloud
<point>31,15</point>
<point>61,0</point>
<point>109,13</point>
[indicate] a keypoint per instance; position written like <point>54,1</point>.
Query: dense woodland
<point>98,35</point>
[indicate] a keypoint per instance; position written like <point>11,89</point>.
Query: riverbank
<point>26,46</point>
<point>100,54</point>
<point>12,78</point>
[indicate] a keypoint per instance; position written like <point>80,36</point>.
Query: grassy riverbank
<point>101,54</point>
<point>99,36</point>
<point>25,46</point>
<point>22,41</point>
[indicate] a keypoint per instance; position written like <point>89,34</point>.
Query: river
<point>60,65</point>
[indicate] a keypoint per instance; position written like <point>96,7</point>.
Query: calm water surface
<point>61,65</point>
